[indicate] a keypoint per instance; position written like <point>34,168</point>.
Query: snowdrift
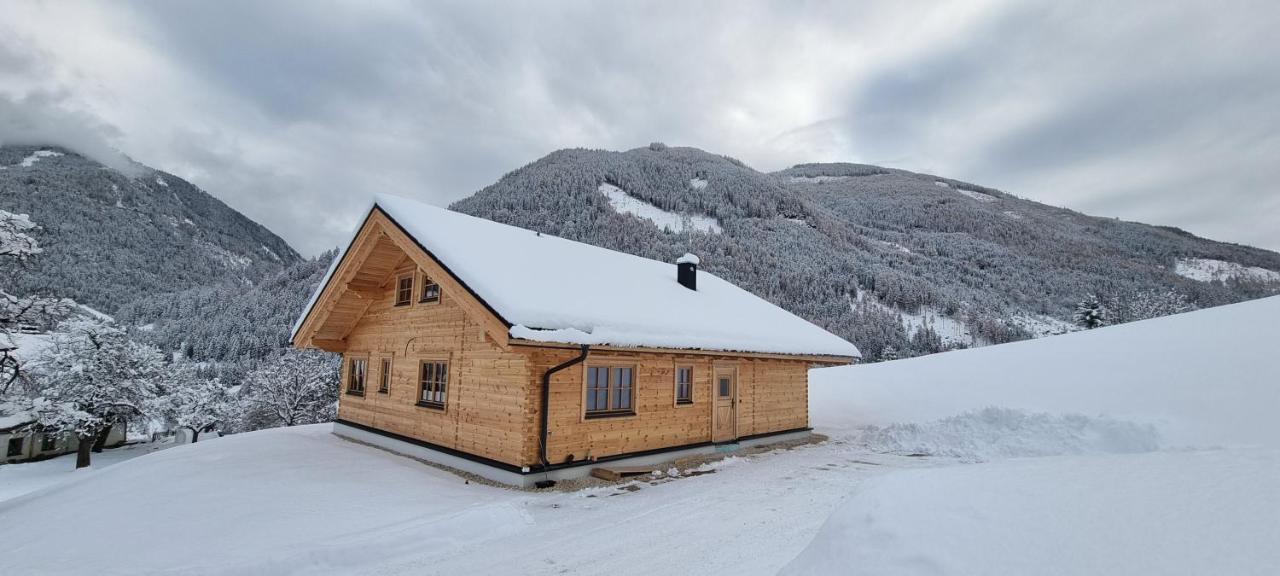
<point>1169,513</point>
<point>1201,379</point>
<point>1210,377</point>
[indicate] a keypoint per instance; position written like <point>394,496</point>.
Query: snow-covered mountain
<point>900,263</point>
<point>110,238</point>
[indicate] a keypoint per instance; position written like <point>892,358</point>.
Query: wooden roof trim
<point>811,358</point>
<point>493,323</point>
<point>376,225</point>
<point>332,289</point>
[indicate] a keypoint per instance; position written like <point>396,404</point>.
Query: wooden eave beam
<point>817,359</point>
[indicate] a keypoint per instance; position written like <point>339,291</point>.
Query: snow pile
<point>624,203</point>
<point>994,433</point>
<point>1168,513</point>
<point>1208,270</point>
<point>1202,378</point>
<point>629,301</point>
<point>698,184</point>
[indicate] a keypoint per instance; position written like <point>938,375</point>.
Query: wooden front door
<point>724,391</point>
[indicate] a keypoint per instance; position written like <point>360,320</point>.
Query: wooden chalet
<point>527,358</point>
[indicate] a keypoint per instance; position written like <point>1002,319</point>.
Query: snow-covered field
<point>1209,270</point>
<point>624,203</point>
<point>1147,448</point>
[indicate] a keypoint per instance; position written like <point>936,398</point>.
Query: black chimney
<point>687,271</point>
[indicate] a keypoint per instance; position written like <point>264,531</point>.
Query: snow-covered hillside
<point>1205,377</point>
<point>1155,442</point>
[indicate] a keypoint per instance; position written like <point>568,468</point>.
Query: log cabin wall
<point>773,396</point>
<point>487,409</point>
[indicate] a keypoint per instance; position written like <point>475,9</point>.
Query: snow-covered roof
<point>550,289</point>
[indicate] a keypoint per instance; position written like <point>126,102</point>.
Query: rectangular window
<point>430,291</point>
<point>684,385</point>
<point>356,370</point>
<point>404,291</point>
<point>726,387</point>
<point>48,442</point>
<point>610,391</point>
<point>15,446</point>
<point>434,383</point>
<point>384,376</point>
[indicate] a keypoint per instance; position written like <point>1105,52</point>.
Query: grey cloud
<point>295,113</point>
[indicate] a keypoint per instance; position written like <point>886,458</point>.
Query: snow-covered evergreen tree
<point>1090,313</point>
<point>295,387</point>
<point>90,378</point>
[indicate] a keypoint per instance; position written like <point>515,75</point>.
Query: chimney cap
<point>688,258</point>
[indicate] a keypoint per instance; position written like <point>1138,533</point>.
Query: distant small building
<point>522,357</point>
<point>20,444</point>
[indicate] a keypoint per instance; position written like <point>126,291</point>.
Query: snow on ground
<point>1041,326</point>
<point>1208,270</point>
<point>624,203</point>
<point>19,479</point>
<point>28,345</point>
<point>994,433</point>
<point>951,331</point>
<point>31,160</point>
<point>1204,377</point>
<point>302,501</point>
<point>1123,420</point>
<point>698,183</point>
<point>1168,513</point>
<point>818,179</point>
<point>979,196</point>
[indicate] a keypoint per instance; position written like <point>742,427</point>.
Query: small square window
<point>610,391</point>
<point>15,446</point>
<point>404,291</point>
<point>48,442</point>
<point>430,291</point>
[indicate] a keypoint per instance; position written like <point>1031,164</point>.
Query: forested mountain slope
<point>110,238</point>
<point>898,262</point>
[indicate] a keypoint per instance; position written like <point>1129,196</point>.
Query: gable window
<point>356,371</point>
<point>430,291</point>
<point>384,376</point>
<point>404,291</point>
<point>610,391</point>
<point>48,442</point>
<point>433,384</point>
<point>684,385</point>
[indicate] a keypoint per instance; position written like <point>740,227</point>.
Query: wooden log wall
<point>487,404</point>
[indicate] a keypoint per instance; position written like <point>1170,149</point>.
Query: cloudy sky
<point>295,112</point>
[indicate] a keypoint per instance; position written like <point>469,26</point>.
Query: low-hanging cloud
<point>38,119</point>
